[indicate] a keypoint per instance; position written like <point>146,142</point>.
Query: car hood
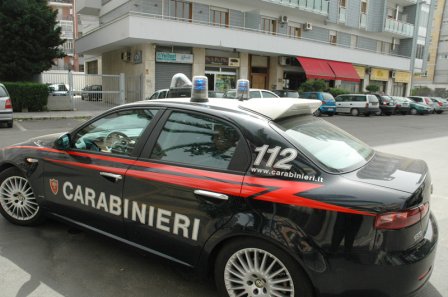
<point>390,171</point>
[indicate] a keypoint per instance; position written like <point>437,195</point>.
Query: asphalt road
<point>55,260</point>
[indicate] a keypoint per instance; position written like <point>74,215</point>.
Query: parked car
<point>419,108</point>
<point>328,106</point>
<point>253,93</point>
<point>6,113</point>
<point>423,100</point>
<point>440,105</point>
<point>165,93</point>
<point>287,93</point>
<point>58,89</point>
<point>402,105</point>
<point>266,198</point>
<point>92,92</point>
<point>356,104</point>
<point>387,104</point>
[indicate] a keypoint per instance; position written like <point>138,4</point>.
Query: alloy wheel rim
<point>253,272</point>
<point>17,198</point>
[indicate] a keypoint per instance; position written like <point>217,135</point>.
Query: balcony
<point>400,28</point>
<point>88,7</point>
<point>315,6</point>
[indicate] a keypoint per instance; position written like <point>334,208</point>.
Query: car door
<point>85,182</point>
<point>186,185</point>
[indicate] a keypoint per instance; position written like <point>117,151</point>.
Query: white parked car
<point>5,107</point>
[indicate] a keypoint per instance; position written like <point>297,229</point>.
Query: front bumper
<point>382,274</point>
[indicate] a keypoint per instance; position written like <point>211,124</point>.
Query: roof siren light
<point>199,92</point>
<point>242,89</point>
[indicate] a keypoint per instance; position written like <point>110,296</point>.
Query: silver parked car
<point>440,105</point>
<point>5,107</point>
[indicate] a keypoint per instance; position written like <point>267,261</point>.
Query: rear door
<point>186,184</point>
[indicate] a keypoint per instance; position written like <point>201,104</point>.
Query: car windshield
<point>325,143</point>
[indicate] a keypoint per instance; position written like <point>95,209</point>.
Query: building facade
<point>276,44</point>
<point>67,20</point>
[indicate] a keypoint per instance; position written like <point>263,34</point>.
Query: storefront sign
<point>174,58</point>
<point>361,71</point>
<point>402,77</point>
<point>379,74</point>
<point>210,60</point>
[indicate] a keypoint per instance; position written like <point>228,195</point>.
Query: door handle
<point>114,177</point>
<point>211,194</point>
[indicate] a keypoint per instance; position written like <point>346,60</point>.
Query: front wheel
<point>354,112</point>
<point>17,200</point>
<point>413,111</point>
<point>257,268</point>
<point>317,113</point>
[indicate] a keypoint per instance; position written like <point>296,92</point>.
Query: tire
<point>256,281</point>
<point>354,112</point>
<point>9,124</point>
<point>413,111</point>
<point>18,203</point>
<point>439,111</point>
<point>317,113</point>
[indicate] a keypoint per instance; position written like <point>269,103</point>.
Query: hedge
<point>33,96</point>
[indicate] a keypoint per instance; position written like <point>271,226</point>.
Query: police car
<point>265,197</point>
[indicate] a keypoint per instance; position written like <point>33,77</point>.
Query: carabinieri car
<point>261,194</point>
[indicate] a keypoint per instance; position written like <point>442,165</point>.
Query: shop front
<point>221,69</point>
<point>168,63</point>
<point>401,80</point>
<point>379,77</point>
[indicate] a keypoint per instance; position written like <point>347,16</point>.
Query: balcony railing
<point>316,6</point>
<point>397,27</point>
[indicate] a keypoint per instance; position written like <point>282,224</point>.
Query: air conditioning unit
<point>424,74</point>
<point>126,56</point>
<point>283,19</point>
<point>393,74</point>
<point>307,26</point>
<point>284,61</point>
<point>234,62</point>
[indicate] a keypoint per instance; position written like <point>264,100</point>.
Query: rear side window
<point>333,148</point>
<point>268,95</point>
<point>255,94</point>
<point>372,99</point>
<point>359,98</point>
<point>3,92</point>
<point>197,140</point>
<point>327,96</point>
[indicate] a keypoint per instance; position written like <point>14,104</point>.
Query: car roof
<point>270,108</point>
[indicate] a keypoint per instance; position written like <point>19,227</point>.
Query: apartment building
<point>435,74</point>
<point>67,20</point>
<point>274,43</point>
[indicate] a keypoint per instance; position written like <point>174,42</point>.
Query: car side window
<point>197,140</point>
<point>254,94</point>
<point>268,94</point>
<point>154,96</point>
<point>116,133</point>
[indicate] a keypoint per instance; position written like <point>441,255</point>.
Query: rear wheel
<point>18,203</point>
<point>439,111</point>
<point>354,112</point>
<point>413,111</point>
<point>317,113</point>
<point>257,268</point>
<point>9,124</point>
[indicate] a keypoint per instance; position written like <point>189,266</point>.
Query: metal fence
<point>96,91</point>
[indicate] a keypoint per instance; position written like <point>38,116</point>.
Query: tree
<point>313,86</point>
<point>29,39</point>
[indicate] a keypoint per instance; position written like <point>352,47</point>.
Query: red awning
<point>344,71</point>
<point>316,68</point>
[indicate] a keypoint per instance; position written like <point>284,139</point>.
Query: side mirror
<point>63,142</point>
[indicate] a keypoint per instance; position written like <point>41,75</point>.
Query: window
<point>254,94</point>
<point>181,10</point>
<point>294,32</point>
<point>268,25</point>
<point>364,7</point>
<point>268,94</point>
<point>116,133</point>
<point>333,37</point>
<point>197,140</point>
<point>420,51</point>
<point>219,17</point>
<point>342,3</point>
<point>92,67</point>
<point>3,92</point>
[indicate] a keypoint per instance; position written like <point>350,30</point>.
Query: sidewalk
<point>48,115</point>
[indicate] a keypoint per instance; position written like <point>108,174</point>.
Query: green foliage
<point>372,88</point>
<point>33,96</point>
<point>29,39</point>
<point>336,91</point>
<point>313,86</point>
<point>421,91</point>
